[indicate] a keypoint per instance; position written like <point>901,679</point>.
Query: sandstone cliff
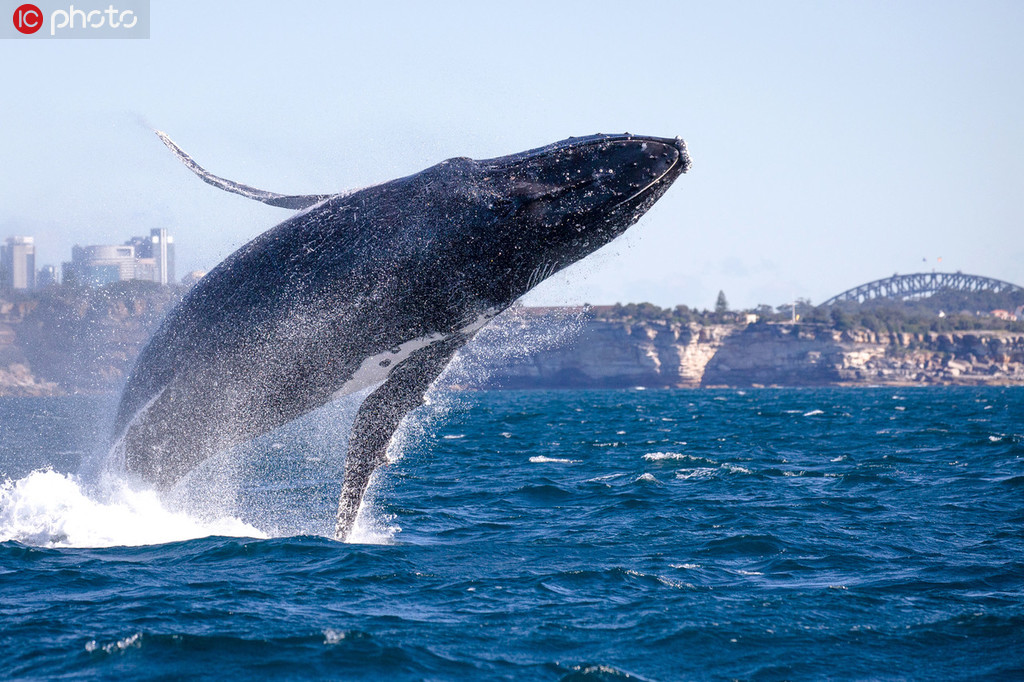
<point>86,342</point>
<point>608,354</point>
<point>81,341</point>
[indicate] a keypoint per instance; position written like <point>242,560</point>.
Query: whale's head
<point>590,184</point>
<point>541,210</point>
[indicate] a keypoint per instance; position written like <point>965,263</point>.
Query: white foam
<point>50,509</point>
<point>541,459</point>
<point>702,472</point>
<point>659,456</point>
<point>607,477</point>
<point>114,647</point>
<point>332,636</point>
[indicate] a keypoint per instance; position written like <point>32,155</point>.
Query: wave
<point>701,472</point>
<point>362,655</point>
<point>599,672</point>
<point>658,456</point>
<point>669,458</point>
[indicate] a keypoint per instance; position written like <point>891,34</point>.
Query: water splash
<point>51,509</point>
<point>373,526</point>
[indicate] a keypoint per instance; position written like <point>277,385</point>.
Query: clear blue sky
<point>833,143</point>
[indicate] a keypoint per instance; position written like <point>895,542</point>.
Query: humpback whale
<point>371,288</point>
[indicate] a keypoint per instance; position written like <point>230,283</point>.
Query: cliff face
<point>74,342</point>
<point>87,342</point>
<point>789,355</point>
<point>596,354</point>
<point>606,354</point>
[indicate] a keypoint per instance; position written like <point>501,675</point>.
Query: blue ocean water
<point>575,535</point>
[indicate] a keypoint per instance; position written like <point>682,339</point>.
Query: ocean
<point>869,533</point>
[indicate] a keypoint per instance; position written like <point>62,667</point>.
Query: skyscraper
<point>18,263</point>
<point>47,276</point>
<point>154,256</point>
<point>163,252</point>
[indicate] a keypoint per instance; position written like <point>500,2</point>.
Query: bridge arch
<point>903,287</point>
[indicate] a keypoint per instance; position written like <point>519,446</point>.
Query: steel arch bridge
<point>903,287</point>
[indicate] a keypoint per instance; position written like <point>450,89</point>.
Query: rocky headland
<point>604,353</point>
<point>85,341</point>
<point>66,341</point>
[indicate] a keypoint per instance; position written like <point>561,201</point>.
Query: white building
<point>18,263</point>
<point>102,264</point>
<point>144,258</point>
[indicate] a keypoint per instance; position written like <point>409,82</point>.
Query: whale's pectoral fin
<point>295,201</point>
<point>378,419</point>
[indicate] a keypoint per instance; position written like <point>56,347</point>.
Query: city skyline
<point>146,258</point>
<point>141,265</point>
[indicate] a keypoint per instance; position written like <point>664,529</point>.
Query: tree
<point>648,311</point>
<point>817,315</point>
<point>721,304</point>
<point>841,320</point>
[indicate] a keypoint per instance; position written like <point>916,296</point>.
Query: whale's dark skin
<point>381,284</point>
